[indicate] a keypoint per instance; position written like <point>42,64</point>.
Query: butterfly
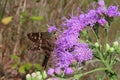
<point>44,41</point>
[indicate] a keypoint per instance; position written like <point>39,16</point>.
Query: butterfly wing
<point>34,37</point>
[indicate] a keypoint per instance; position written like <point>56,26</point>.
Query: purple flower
<point>55,79</point>
<point>92,17</point>
<point>50,72</point>
<point>65,58</point>
<point>82,52</point>
<point>112,11</point>
<point>101,10</point>
<point>102,21</point>
<point>76,23</point>
<point>67,39</point>
<point>101,3</point>
<point>57,70</point>
<point>68,71</point>
<point>51,29</point>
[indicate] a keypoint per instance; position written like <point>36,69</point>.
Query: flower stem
<point>95,70</point>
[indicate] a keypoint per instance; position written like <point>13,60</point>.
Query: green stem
<point>3,10</point>
<point>95,70</point>
<point>96,36</point>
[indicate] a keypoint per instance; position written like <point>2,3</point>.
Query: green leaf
<point>15,65</point>
<point>27,66</point>
<point>36,18</point>
<point>21,69</point>
<point>96,0</point>
<point>37,67</point>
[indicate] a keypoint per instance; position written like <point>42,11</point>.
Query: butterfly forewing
<point>34,37</point>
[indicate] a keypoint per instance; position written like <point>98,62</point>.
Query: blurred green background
<point>34,16</point>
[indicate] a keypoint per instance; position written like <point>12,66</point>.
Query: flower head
<point>50,72</point>
<point>92,17</point>
<point>82,52</point>
<point>102,21</point>
<point>101,10</point>
<point>57,70</point>
<point>68,71</point>
<point>101,3</point>
<point>112,11</point>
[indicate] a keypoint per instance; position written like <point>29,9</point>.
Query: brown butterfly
<point>44,41</point>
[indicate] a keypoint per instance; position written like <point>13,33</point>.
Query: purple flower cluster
<point>68,48</point>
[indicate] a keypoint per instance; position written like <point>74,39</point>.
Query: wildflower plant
<point>72,53</point>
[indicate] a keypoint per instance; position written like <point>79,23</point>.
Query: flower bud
<point>38,73</point>
<point>68,71</point>
<point>44,74</point>
<point>112,49</point>
<point>58,70</point>
<point>102,22</point>
<point>97,45</point>
<point>50,72</point>
<point>107,47</point>
<point>28,77</point>
<point>33,75</point>
<point>118,50</point>
<point>39,77</point>
<point>115,44</point>
<point>101,3</point>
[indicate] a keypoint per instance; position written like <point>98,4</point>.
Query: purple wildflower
<point>101,10</point>
<point>50,72</point>
<point>101,3</point>
<point>92,17</point>
<point>57,70</point>
<point>83,52</point>
<point>67,39</point>
<point>68,71</point>
<point>112,11</point>
<point>65,59</point>
<point>102,21</point>
<point>51,29</point>
<point>55,79</point>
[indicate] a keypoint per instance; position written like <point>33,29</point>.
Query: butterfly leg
<point>45,61</point>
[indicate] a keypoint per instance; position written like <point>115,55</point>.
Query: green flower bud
<point>39,77</point>
<point>44,74</point>
<point>38,73</point>
<point>28,77</point>
<point>115,44</point>
<point>112,49</point>
<point>107,47</point>
<point>118,50</point>
<point>97,44</point>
